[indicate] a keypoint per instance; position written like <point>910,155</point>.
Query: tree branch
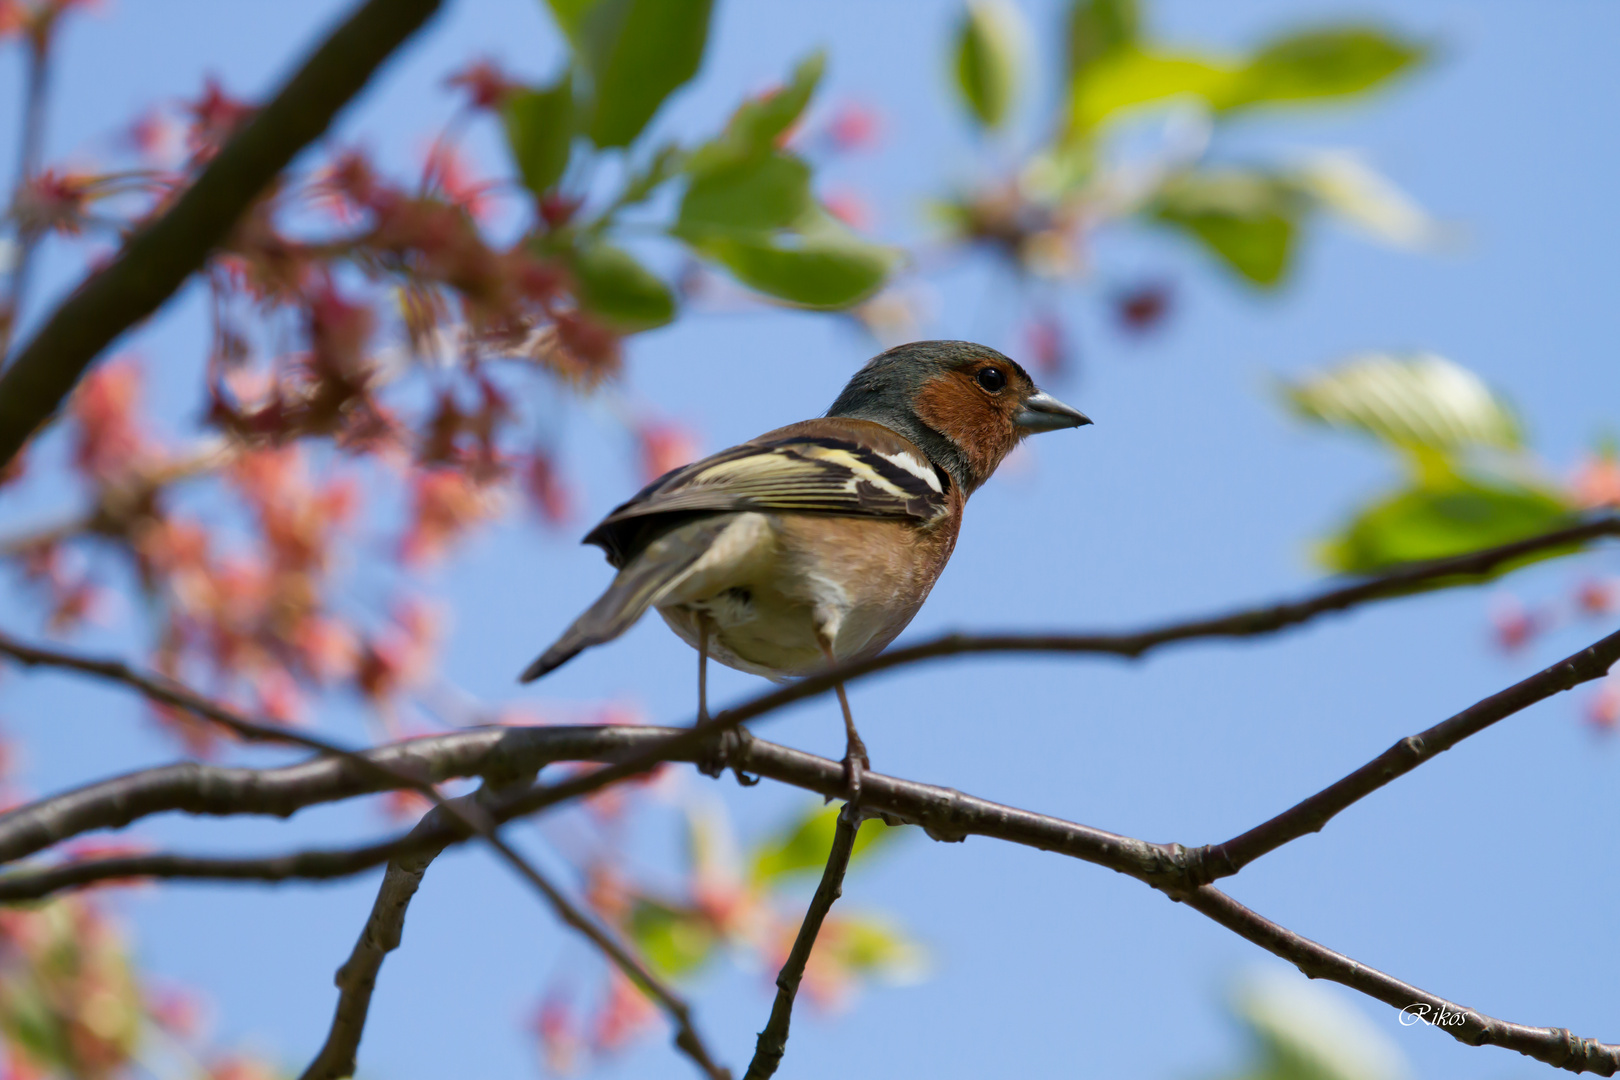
<point>158,259</point>
<point>467,815</point>
<point>358,976</point>
<point>1221,860</point>
<point>1555,1046</point>
<point>944,813</point>
<point>772,1042</point>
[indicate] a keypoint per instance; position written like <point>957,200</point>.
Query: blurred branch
<point>28,161</point>
<point>466,815</point>
<point>772,1042</point>
<point>159,258</point>
<point>1221,860</point>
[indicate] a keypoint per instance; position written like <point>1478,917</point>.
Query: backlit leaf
<point>1248,219</point>
<point>1129,78</point>
<point>1420,401</point>
<point>1330,62</point>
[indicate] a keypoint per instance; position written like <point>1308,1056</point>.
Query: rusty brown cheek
<point>952,406</point>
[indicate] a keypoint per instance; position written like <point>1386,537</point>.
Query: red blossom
<point>1603,707</point>
<point>1048,344</point>
<point>56,201</point>
<point>445,504</point>
<point>850,207</point>
<point>625,1014</point>
<point>547,489</point>
<point>664,446</point>
<point>1514,624</point>
<point>1597,596</point>
<point>557,1028</point>
<point>110,443</point>
<point>557,209</point>
<point>854,126</point>
<point>215,116</point>
<point>485,83</point>
<point>1143,307</point>
<point>445,169</point>
<point>1596,482</point>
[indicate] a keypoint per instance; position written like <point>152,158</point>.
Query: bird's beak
<point>1043,412</point>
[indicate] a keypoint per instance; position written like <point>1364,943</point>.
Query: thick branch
<point>772,1042</point>
<point>159,258</point>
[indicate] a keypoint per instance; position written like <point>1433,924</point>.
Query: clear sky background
<point>1488,876</point>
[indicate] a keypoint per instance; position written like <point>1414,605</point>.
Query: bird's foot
<point>728,751</point>
<point>856,764</point>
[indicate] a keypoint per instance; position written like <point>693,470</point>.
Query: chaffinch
<point>818,542</point>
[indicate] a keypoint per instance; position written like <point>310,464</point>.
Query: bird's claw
<point>729,748</point>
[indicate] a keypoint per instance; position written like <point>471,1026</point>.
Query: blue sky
<point>1487,876</point>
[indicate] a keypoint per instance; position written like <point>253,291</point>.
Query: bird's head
<point>965,405</point>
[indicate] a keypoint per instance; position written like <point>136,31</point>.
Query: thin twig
<point>772,1042</point>
<point>1310,815</point>
<point>157,260</point>
<point>467,815</point>
<point>357,978</point>
<point>1555,1046</point>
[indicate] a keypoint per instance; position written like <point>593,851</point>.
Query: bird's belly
<point>760,628</point>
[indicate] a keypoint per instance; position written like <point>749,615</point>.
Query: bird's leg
<point>730,741</point>
<point>702,620</point>
<point>855,759</point>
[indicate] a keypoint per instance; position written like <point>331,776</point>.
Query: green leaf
<point>1248,219</point>
<point>1098,28</point>
<point>675,942</point>
<point>1128,78</point>
<point>625,294</point>
<point>570,16</point>
<point>874,948</point>
<point>640,51</point>
<point>540,132</point>
<point>756,195</point>
<point>820,266</point>
<point>1422,401</point>
<point>759,123</point>
<point>804,843</point>
<point>1434,522</point>
<point>1330,62</point>
<point>989,55</point>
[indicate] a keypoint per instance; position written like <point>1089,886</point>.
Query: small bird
<point>818,542</point>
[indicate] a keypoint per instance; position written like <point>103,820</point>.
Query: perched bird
<point>818,542</point>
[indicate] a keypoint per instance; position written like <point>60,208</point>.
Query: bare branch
<point>1555,1046</point>
<point>467,815</point>
<point>159,258</point>
<point>772,1042</point>
<point>358,977</point>
<point>1221,860</point>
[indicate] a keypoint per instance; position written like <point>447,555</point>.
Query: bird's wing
<point>818,467</point>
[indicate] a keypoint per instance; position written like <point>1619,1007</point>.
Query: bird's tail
<point>641,584</point>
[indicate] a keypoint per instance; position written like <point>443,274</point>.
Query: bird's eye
<point>992,379</point>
